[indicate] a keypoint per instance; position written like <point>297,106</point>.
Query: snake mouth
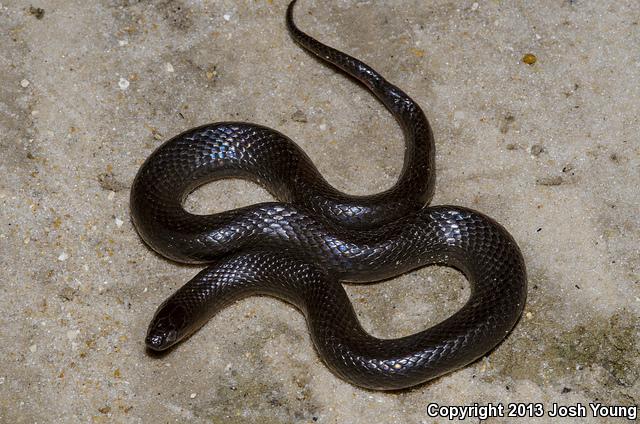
<point>160,341</point>
<point>167,327</point>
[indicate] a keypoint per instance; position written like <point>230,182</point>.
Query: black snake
<point>299,249</point>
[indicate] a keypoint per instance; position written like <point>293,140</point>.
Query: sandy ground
<point>550,149</point>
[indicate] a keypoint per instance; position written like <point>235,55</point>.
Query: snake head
<point>169,326</point>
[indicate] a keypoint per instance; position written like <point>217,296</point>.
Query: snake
<point>304,246</point>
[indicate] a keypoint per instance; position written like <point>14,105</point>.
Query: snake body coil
<point>300,249</point>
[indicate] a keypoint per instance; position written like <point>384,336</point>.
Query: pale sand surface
<point>550,150</point>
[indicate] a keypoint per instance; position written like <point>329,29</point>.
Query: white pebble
<point>168,67</point>
<point>33,348</point>
<point>119,222</point>
<point>112,195</point>
<point>458,117</point>
<point>323,127</point>
<point>474,6</point>
<point>123,42</point>
<point>63,256</point>
<point>123,84</point>
<point>227,16</point>
<point>25,83</point>
<point>193,395</point>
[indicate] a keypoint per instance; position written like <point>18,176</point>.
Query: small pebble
<point>549,181</point>
<point>33,348</point>
<point>475,6</point>
<point>299,116</point>
<point>227,16</point>
<point>38,12</point>
<point>529,59</point>
<point>123,42</point>
<point>193,395</point>
<point>25,83</point>
<point>119,222</point>
<point>63,256</point>
<point>168,67</point>
<point>323,127</point>
<point>123,84</point>
<point>68,293</point>
<point>536,149</point>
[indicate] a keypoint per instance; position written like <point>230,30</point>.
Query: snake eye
<point>178,317</point>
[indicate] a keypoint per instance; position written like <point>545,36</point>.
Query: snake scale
<point>300,248</point>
